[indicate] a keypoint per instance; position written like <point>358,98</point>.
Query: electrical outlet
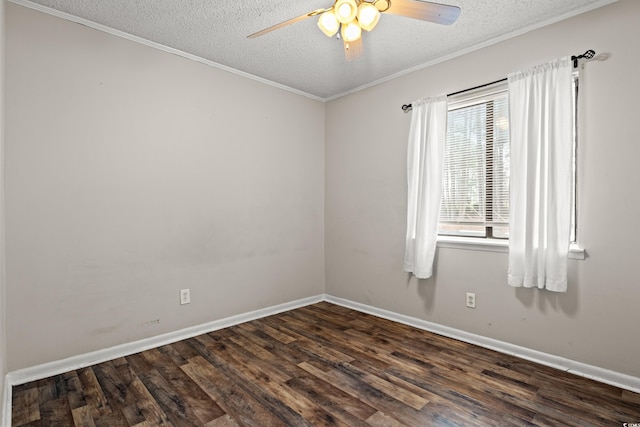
<point>185,296</point>
<point>471,300</point>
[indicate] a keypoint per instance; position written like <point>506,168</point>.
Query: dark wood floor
<point>321,365</point>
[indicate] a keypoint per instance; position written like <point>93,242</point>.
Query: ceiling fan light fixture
<point>351,31</point>
<point>350,17</point>
<point>368,16</point>
<point>328,23</point>
<point>345,10</point>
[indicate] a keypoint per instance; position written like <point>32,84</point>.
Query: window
<point>475,193</point>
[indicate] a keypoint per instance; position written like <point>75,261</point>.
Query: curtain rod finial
<point>587,55</point>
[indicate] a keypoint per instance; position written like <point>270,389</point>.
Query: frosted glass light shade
<point>382,5</point>
<point>351,31</point>
<point>328,23</point>
<point>345,10</point>
<point>368,16</point>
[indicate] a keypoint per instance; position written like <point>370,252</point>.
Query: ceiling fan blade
<point>425,11</point>
<point>285,23</point>
<point>352,50</point>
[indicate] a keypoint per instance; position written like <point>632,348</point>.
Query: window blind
<point>475,197</point>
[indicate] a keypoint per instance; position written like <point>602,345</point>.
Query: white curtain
<point>425,163</point>
<point>541,120</point>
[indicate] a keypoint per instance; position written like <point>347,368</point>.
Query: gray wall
<point>596,321</point>
<point>133,173</point>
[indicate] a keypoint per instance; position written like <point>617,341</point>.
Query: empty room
<point>305,213</point>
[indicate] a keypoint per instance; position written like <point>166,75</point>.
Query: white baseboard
<point>596,373</point>
<point>6,405</point>
<point>57,367</point>
<point>46,370</point>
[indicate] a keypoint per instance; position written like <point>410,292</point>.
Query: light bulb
<point>351,31</point>
<point>368,16</point>
<point>345,10</point>
<point>328,23</point>
<point>382,5</point>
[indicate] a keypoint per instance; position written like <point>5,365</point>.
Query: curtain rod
<point>587,55</point>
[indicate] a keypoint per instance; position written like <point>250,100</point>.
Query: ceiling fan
<point>353,16</point>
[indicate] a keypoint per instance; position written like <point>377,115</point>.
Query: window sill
<point>494,245</point>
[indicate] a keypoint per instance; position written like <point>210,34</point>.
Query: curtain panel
<point>541,127</point>
<point>425,163</point>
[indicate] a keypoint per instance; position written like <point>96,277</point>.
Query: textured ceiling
<point>299,56</point>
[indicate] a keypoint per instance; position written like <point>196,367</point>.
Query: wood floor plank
<point>48,390</point>
<point>250,365</point>
<point>452,398</point>
<point>339,404</point>
<point>277,323</point>
<point>184,350</point>
<point>562,414</point>
<point>323,351</point>
<point>75,393</point>
<point>236,402</point>
<point>113,419</point>
<point>172,353</point>
<point>289,353</point>
<point>147,407</point>
<point>56,412</point>
<point>460,395</point>
<point>196,401</point>
<point>379,382</point>
<point>365,392</point>
<point>253,371</point>
<point>320,365</point>
<point>133,414</point>
<point>333,320</point>
<point>399,382</point>
<point>95,398</point>
<point>172,404</point>
<point>335,339</point>
<point>380,419</point>
<point>223,421</point>
<point>82,417</point>
<point>26,404</point>
<point>117,392</point>
<point>631,398</point>
<point>283,337</point>
<point>248,348</point>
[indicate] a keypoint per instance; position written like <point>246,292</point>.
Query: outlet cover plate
<point>471,300</point>
<point>185,296</point>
